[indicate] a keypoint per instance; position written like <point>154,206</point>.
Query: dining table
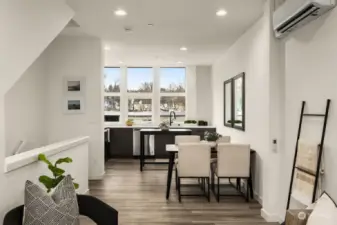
<point>173,149</point>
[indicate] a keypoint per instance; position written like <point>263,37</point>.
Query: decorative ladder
<point>320,150</point>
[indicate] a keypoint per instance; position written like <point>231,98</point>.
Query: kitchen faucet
<point>174,117</point>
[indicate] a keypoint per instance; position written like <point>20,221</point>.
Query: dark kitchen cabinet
<point>121,143</point>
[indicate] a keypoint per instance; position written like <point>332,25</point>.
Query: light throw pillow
<point>324,213</point>
<point>59,208</point>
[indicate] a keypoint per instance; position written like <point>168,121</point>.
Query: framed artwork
<point>74,105</point>
<point>74,89</point>
<point>74,86</point>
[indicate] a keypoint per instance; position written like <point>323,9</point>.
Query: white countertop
<point>114,125</point>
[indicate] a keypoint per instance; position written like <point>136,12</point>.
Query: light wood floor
<point>140,200</point>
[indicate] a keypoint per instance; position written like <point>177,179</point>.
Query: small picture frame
<point>74,86</point>
<point>74,105</point>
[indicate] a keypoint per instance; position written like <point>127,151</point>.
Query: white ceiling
<point>190,23</point>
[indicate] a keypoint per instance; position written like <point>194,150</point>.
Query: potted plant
<point>211,136</point>
<point>58,173</point>
<point>164,125</point>
<point>191,122</point>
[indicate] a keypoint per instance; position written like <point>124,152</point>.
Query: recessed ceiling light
<point>183,49</point>
<point>221,12</point>
<point>121,62</point>
<point>107,48</point>
<point>120,12</point>
<point>180,62</point>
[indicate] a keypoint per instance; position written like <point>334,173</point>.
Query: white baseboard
<point>271,218</point>
<point>99,177</point>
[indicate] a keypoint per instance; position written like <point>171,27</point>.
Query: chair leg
<point>209,190</point>
<point>176,178</point>
<point>179,189</point>
<point>247,191</point>
<point>218,194</point>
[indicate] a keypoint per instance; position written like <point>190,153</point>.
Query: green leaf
<point>56,171</point>
<point>47,182</point>
<point>44,159</point>
<point>58,180</point>
<point>63,160</point>
<point>76,185</point>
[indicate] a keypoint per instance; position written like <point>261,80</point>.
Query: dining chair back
<point>224,139</point>
<point>233,160</point>
<point>179,139</point>
<point>194,159</point>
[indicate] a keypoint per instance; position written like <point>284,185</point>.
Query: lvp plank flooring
<point>139,197</point>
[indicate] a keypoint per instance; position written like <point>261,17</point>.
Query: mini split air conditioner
<point>296,13</point>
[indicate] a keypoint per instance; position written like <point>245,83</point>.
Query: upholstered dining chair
<point>194,162</point>
<point>224,139</point>
<point>233,162</point>
<point>95,209</point>
<point>179,139</point>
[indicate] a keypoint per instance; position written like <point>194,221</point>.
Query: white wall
<point>311,55</point>
<point>250,55</point>
<point>25,109</point>
<point>14,191</point>
<point>256,53</point>
<point>82,57</point>
<point>27,27</point>
<point>204,93</point>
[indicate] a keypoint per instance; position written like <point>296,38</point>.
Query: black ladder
<point>320,150</point>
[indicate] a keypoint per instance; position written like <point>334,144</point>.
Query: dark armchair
<point>95,209</point>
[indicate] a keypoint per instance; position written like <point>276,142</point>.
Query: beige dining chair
<point>221,140</point>
<point>194,162</point>
<point>233,162</point>
<point>180,139</point>
<point>224,139</point>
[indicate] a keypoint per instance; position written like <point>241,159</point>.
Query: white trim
<point>172,94</point>
<point>16,161</point>
<point>98,177</point>
<point>271,218</point>
<point>112,94</point>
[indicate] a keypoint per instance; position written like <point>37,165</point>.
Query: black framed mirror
<point>228,95</point>
<point>234,102</point>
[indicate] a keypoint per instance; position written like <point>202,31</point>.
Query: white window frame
<point>172,94</point>
<point>154,96</point>
<point>113,94</point>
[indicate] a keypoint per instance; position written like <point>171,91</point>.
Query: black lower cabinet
<point>121,143</point>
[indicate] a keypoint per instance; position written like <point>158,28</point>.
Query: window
<point>112,99</point>
<point>112,78</point>
<point>112,103</point>
<point>140,109</point>
<point>140,80</point>
<point>129,94</point>
<point>172,80</point>
<point>172,93</point>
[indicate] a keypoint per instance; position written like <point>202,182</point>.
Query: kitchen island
<point>125,140</point>
<point>156,132</point>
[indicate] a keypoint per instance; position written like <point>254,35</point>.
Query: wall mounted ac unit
<point>296,13</point>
